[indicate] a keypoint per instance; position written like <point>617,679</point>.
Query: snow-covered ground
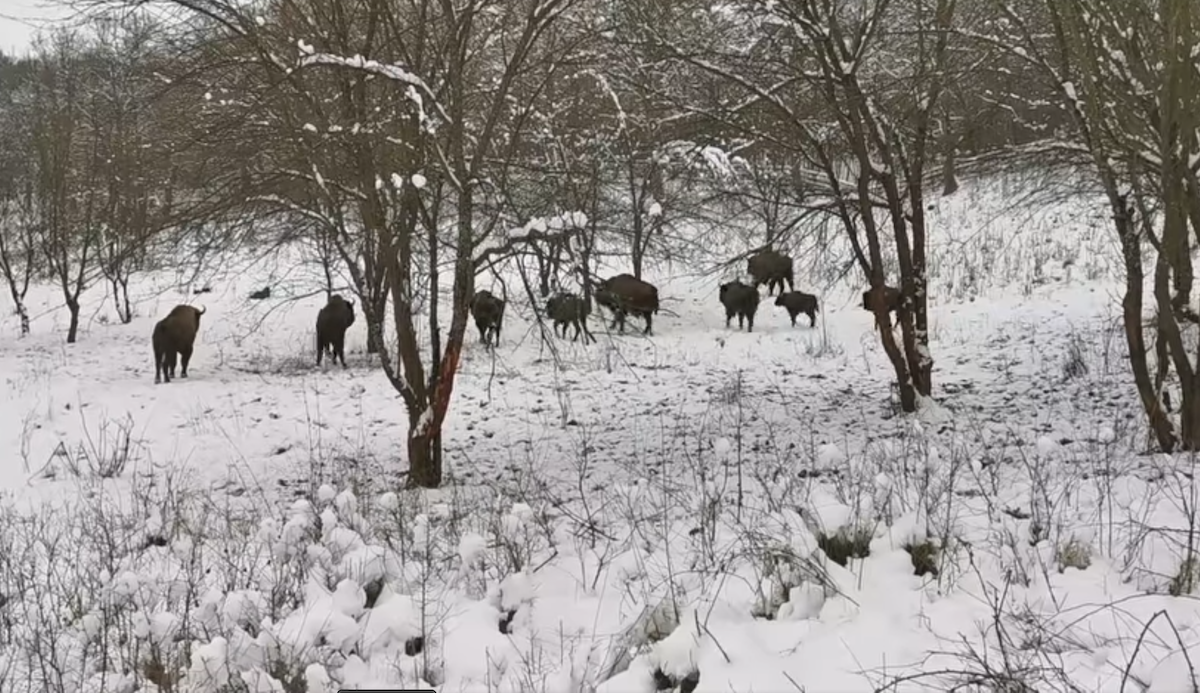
<point>636,508</point>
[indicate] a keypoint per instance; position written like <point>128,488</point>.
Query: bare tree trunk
<point>949,166</point>
<point>120,289</point>
<point>1149,391</point>
<point>73,326</point>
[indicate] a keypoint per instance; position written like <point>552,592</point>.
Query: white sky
<point>19,19</point>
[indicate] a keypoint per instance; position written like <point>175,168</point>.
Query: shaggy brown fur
<point>741,300</point>
<point>625,294</point>
<point>175,334</point>
<point>566,309</point>
<point>891,299</point>
<point>772,268</point>
<point>488,311</point>
<point>332,322</point>
<point>797,302</point>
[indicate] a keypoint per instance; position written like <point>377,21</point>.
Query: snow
<point>663,504</point>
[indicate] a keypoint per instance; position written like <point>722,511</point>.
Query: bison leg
<point>168,365</point>
<point>812,318</point>
<point>649,322</point>
<point>185,355</point>
<point>158,367</point>
<point>728,317</point>
<point>339,350</point>
<point>749,322</point>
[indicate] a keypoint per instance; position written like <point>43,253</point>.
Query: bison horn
<point>202,311</point>
<point>350,303</point>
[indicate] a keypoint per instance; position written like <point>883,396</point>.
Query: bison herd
<point>623,295</point>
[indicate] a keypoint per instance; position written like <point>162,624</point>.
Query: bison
<point>488,310</point>
<point>624,294</point>
<point>332,322</point>
<point>566,309</point>
<point>797,302</point>
<point>741,300</point>
<point>891,299</point>
<point>175,335</point>
<point>773,269</point>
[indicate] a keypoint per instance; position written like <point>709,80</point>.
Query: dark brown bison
<point>797,302</point>
<point>488,310</point>
<point>891,299</point>
<point>332,322</point>
<point>175,335</point>
<point>741,300</point>
<point>625,294</point>
<point>566,309</point>
<point>773,269</point>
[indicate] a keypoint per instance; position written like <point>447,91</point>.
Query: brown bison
<point>566,309</point>
<point>332,322</point>
<point>488,310</point>
<point>624,294</point>
<point>797,302</point>
<point>175,335</point>
<point>891,299</point>
<point>741,300</point>
<point>773,269</point>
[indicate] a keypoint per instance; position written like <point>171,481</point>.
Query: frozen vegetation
<point>703,508</point>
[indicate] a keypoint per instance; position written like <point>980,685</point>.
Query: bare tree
<point>19,253</point>
<point>377,121</point>
<point>129,117</point>
<point>66,156</point>
<point>831,90</point>
<point>1125,79</point>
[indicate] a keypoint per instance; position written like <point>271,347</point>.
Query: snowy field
<point>703,508</point>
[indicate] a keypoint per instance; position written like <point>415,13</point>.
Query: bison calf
<point>773,269</point>
<point>332,322</point>
<point>175,335</point>
<point>797,302</point>
<point>488,310</point>
<point>625,294</point>
<point>741,300</point>
<point>566,309</point>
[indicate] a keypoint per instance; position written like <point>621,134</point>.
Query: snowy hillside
<point>745,508</point>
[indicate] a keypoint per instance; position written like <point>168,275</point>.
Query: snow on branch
<point>541,227</point>
<point>554,228</point>
<point>418,90</point>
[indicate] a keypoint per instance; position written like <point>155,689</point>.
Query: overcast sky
<point>19,19</point>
